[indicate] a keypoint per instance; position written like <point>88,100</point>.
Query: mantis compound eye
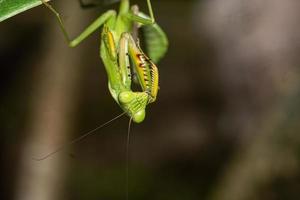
<point>139,116</point>
<point>126,97</point>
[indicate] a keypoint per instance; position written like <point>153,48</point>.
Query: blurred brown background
<point>225,126</point>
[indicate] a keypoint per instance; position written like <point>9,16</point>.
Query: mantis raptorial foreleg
<point>145,69</point>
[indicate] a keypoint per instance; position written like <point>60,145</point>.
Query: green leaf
<point>156,42</point>
<point>9,8</point>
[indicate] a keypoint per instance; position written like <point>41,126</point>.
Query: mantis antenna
<point>127,158</point>
<point>93,131</point>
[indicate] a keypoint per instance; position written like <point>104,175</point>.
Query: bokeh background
<point>225,125</point>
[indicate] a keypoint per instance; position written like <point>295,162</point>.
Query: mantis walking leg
<point>155,38</point>
<point>88,31</point>
<point>142,19</point>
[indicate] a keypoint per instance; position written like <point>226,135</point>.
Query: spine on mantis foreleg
<point>109,57</point>
<point>146,70</point>
<point>124,63</point>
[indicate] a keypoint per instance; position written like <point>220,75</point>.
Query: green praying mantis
<point>123,58</point>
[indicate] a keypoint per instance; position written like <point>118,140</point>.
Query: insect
<point>123,57</point>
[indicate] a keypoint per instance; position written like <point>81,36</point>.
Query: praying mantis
<point>124,60</point>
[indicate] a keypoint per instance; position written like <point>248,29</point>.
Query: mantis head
<point>134,103</point>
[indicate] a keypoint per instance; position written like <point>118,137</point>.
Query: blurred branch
<point>53,104</point>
